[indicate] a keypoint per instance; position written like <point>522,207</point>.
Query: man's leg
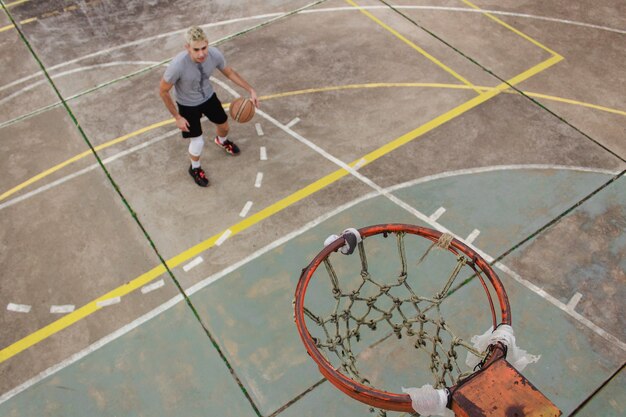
<point>222,141</point>
<point>214,110</point>
<point>196,143</point>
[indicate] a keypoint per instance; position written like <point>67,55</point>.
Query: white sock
<point>222,139</point>
<point>195,164</point>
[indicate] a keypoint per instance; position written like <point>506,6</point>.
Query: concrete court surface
<point>505,118</point>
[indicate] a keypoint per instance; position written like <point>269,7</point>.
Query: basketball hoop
<point>341,327</point>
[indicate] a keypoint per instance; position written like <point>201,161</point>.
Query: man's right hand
<point>182,124</point>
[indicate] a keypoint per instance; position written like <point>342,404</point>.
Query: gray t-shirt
<point>191,79</point>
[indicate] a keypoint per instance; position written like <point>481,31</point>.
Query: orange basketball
<point>242,110</point>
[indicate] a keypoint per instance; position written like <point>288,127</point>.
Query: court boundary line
<point>193,289</point>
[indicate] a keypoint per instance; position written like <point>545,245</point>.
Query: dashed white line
<point>18,308</point>
<point>472,236</point>
<point>195,262</point>
<point>551,299</point>
<point>293,122</point>
<point>437,214</point>
<point>259,180</point>
<point>574,301</point>
<point>259,130</point>
<point>263,153</point>
<point>62,309</point>
<point>223,238</point>
<point>245,209</point>
<point>109,302</point>
<point>151,287</point>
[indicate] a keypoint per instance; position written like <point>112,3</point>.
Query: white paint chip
<point>151,287</point>
<point>62,309</point>
<point>245,209</point>
<point>18,308</point>
<point>472,236</point>
<point>259,130</point>
<point>574,301</point>
<point>263,153</point>
<point>195,262</point>
<point>437,214</point>
<point>259,180</point>
<point>223,238</point>
<point>293,122</point>
<point>109,302</point>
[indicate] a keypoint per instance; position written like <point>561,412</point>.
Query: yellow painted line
<point>77,315</point>
<point>15,3</point>
<point>373,85</point>
<point>143,279</point>
<point>457,111</point>
<point>511,28</point>
<point>412,45</point>
<point>81,156</point>
<point>299,92</point>
<point>23,22</point>
<point>154,273</point>
<point>576,103</point>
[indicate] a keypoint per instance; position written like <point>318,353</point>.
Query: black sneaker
<point>199,176</point>
<point>228,146</point>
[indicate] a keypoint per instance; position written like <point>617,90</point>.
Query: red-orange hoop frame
<point>368,395</point>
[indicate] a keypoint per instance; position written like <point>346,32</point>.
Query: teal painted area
<point>166,367</point>
<point>574,360</point>
<point>169,367</point>
<point>250,312</point>
<point>610,401</point>
<point>506,206</point>
<point>611,203</point>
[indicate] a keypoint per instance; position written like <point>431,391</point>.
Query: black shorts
<point>212,108</point>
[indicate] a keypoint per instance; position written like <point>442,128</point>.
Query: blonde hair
<point>194,34</point>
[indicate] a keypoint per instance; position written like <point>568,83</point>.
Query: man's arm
<point>164,92</point>
<point>234,76</point>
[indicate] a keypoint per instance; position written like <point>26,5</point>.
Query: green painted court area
<point>168,365</point>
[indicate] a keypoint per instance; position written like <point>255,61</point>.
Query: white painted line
<point>223,238</point>
<point>62,309</point>
<point>100,343</point>
<point>360,163</point>
<point>277,243</point>
<point>178,298</point>
<point>75,70</point>
<point>88,169</point>
<point>542,293</point>
<point>472,236</point>
<point>151,287</point>
<point>245,209</point>
<point>195,262</point>
<point>263,153</point>
<point>275,16</point>
<point>293,122</point>
<point>109,302</point>
<point>437,214</point>
<point>259,130</point>
<point>259,180</point>
<point>571,306</point>
<point>18,308</point>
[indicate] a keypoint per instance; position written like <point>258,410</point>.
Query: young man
<point>189,74</point>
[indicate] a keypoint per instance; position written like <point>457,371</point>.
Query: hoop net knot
<point>444,240</point>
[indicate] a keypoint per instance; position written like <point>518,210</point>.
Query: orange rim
<point>368,395</point>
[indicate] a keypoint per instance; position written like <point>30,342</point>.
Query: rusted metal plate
<point>501,391</point>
